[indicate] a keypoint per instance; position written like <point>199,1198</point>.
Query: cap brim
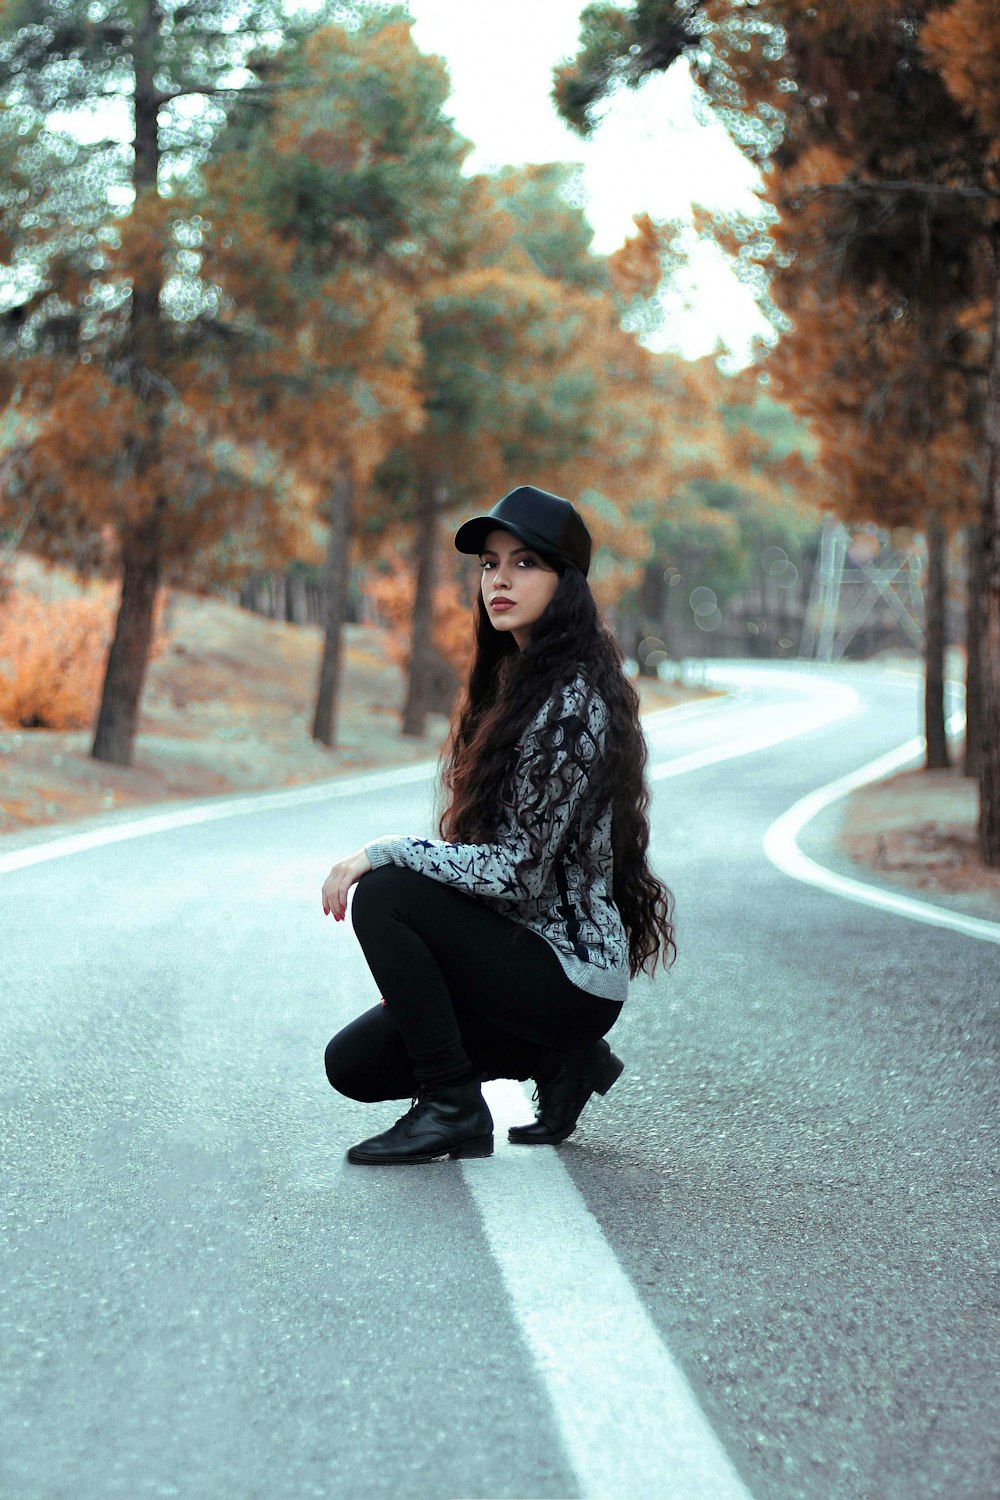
<point>471,536</point>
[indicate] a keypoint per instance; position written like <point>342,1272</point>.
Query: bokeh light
<point>779,567</point>
<point>864,547</point>
<point>652,651</point>
<point>703,601</point>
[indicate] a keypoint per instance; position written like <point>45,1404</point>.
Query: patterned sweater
<point>546,899</point>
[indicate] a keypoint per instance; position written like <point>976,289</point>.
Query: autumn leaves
<point>276,322</point>
<point>878,128</point>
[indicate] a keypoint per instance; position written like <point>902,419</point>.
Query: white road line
<point>59,845</point>
<point>679,712</point>
<point>835,701</point>
<point>839,702</point>
<point>210,812</point>
<point>631,1425</point>
<point>781,848</point>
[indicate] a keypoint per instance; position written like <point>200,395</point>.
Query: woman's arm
<point>491,869</point>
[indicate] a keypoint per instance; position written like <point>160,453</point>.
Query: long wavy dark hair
<point>505,690</point>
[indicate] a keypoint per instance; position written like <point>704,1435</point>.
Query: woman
<point>505,948</point>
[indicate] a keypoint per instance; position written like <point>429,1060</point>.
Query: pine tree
<point>328,218</point>
<point>877,124</point>
<point>106,312</point>
<point>962,41</point>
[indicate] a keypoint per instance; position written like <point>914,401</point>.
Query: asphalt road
<point>200,1298</point>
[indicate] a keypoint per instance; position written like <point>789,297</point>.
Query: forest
<point>257,321</point>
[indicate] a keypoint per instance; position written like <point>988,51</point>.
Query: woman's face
<point>517,584</point>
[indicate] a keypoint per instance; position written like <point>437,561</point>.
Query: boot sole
<point>608,1076</point>
<point>479,1146</point>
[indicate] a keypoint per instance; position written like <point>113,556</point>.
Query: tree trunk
<point>652,599</point>
<point>118,717</point>
<point>144,317</point>
<point>142,561</point>
<point>628,633</point>
<point>934,730</point>
<point>296,609</point>
<point>444,684</point>
<point>421,674</point>
<point>989,737</point>
<point>973,648</point>
<point>336,577</point>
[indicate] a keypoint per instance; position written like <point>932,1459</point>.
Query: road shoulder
<point>916,832</point>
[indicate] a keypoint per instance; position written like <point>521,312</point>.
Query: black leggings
<point>468,994</point>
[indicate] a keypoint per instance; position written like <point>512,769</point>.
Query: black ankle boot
<point>442,1121</point>
<point>562,1097</point>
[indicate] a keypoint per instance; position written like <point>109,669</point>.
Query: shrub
<point>392,592</point>
<point>52,656</point>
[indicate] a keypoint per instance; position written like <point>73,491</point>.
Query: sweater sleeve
<point>491,869</point>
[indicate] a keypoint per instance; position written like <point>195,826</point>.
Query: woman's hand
<point>339,882</point>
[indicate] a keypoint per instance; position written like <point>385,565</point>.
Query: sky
<point>650,154</point>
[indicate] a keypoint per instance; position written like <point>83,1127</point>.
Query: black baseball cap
<point>549,524</point>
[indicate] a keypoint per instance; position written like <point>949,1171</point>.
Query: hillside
<point>227,708</point>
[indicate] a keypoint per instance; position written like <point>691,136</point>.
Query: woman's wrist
<point>379,851</point>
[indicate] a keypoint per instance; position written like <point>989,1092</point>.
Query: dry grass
<point>919,830</point>
<point>227,708</point>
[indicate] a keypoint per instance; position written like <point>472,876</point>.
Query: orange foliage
<point>51,660</point>
<point>876,359</point>
<point>636,267</point>
<point>962,40</point>
<point>85,425</point>
<point>52,657</point>
<point>392,592</point>
<point>144,240</point>
<point>545,385</point>
<point>879,293</point>
<point>859,376</point>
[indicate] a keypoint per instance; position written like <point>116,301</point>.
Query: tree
<point>886,193</point>
<point>127,449</point>
<point>528,373</point>
<point>738,485</point>
<point>962,41</point>
<point>327,216</point>
<point>500,398</point>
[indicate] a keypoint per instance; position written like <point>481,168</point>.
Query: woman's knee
<point>379,892</point>
<point>347,1075</point>
<point>374,889</point>
<point>367,1061</point>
